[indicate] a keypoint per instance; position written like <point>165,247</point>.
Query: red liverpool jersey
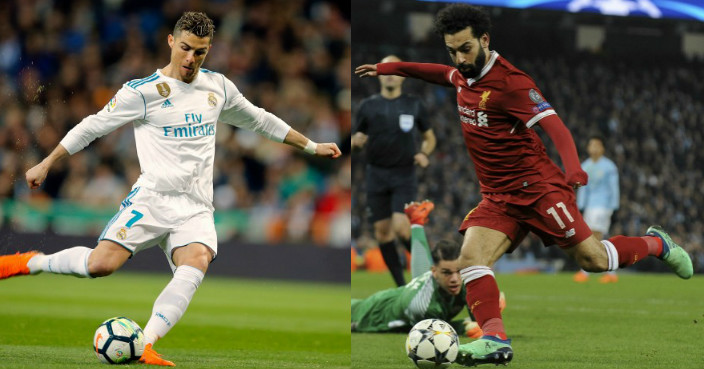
<point>497,111</point>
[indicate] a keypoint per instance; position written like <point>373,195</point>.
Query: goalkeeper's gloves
<point>472,328</point>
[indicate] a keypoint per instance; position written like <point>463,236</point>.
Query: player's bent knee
<point>196,255</point>
<point>106,258</point>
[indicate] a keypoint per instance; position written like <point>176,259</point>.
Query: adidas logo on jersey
<point>167,104</point>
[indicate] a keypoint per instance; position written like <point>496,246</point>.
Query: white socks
<point>168,307</point>
<point>73,261</point>
<point>611,254</point>
<point>172,302</point>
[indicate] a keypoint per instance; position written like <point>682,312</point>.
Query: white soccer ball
<point>118,340</point>
<point>432,343</point>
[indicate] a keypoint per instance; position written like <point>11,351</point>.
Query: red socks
<point>632,249</point>
<point>483,302</point>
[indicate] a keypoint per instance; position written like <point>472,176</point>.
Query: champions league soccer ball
<point>432,343</point>
<point>118,341</point>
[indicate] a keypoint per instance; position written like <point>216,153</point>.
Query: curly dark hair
<point>456,17</point>
<point>196,23</point>
<point>445,250</point>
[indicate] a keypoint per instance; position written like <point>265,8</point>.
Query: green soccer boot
<point>672,254</point>
<point>486,350</point>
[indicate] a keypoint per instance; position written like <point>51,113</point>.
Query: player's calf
<point>591,255</point>
<point>106,258</point>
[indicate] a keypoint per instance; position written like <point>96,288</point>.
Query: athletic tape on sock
<point>475,272</point>
<point>190,274</point>
<point>611,254</point>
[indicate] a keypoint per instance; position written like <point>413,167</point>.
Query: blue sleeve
<point>582,194</point>
<point>582,197</point>
<point>614,186</point>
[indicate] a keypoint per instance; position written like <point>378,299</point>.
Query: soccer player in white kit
<point>174,113</point>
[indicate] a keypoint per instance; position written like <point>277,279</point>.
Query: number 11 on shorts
<point>554,214</point>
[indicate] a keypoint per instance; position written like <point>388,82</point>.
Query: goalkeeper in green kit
<point>436,293</point>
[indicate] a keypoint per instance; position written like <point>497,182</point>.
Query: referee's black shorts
<point>389,189</point>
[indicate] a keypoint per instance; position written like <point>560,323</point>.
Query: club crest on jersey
<point>485,98</point>
<point>212,101</point>
<point>535,96</point>
<point>111,104</point>
<point>405,121</point>
<point>122,233</point>
<point>164,89</point>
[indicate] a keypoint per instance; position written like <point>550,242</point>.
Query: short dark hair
<point>597,136</point>
<point>445,250</point>
<point>196,23</point>
<point>456,17</point>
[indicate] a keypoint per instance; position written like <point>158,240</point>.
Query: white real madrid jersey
<point>174,124</point>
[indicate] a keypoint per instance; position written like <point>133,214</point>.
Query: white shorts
<point>148,218</point>
<point>598,219</point>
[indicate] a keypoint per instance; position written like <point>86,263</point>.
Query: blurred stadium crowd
<point>649,113</point>
<point>63,60</point>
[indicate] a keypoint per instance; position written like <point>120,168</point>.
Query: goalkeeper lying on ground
<point>435,293</point>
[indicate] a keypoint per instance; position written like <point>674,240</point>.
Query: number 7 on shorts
<point>137,216</point>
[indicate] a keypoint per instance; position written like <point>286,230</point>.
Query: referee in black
<point>388,124</point>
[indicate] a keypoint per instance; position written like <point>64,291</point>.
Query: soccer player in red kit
<point>522,189</point>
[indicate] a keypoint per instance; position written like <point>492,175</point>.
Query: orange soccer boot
<point>418,212</point>
<point>608,278</point>
<point>581,277</point>
<point>15,264</point>
<point>150,357</point>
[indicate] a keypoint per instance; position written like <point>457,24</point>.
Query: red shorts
<point>548,209</point>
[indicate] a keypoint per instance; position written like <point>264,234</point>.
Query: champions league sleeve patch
<point>535,97</point>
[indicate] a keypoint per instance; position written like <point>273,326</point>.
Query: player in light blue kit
<point>174,113</point>
<point>599,199</point>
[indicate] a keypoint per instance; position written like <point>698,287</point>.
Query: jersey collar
<point>179,82</point>
<point>492,58</point>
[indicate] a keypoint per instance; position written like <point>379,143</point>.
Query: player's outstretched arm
<point>299,141</point>
<point>429,72</point>
<point>36,175</point>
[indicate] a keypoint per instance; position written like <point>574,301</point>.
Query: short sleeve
<point>524,100</point>
<point>360,119</point>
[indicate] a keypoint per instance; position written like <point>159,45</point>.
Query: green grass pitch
<point>48,321</point>
<point>643,321</point>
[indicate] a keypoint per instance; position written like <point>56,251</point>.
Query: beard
<point>473,70</point>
